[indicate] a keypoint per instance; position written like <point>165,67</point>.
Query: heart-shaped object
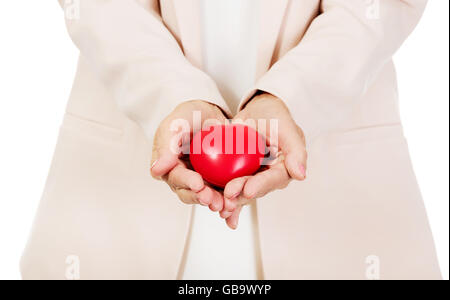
<point>224,152</point>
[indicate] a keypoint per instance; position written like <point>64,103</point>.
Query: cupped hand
<point>288,155</point>
<point>171,164</point>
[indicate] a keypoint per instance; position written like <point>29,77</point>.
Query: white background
<point>37,66</point>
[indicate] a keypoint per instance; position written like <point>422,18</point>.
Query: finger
<point>167,148</point>
<point>272,157</point>
<point>163,165</point>
<point>226,214</point>
<point>234,188</point>
<point>229,205</point>
<point>187,196</point>
<point>239,201</point>
<point>294,150</point>
<point>259,185</point>
<point>205,197</point>
<point>233,221</point>
<point>182,178</point>
<point>216,201</point>
<point>232,191</point>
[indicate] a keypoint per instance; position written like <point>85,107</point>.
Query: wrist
<point>264,98</point>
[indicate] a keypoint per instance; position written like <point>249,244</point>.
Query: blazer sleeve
<point>137,58</point>
<point>337,60</point>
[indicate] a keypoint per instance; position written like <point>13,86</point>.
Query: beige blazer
<point>358,216</point>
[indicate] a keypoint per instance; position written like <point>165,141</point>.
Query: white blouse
<point>230,45</point>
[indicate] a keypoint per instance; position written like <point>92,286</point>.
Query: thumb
<point>162,165</point>
<point>165,153</point>
<point>293,147</point>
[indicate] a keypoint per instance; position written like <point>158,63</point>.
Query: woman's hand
<point>287,145</point>
<point>172,166</point>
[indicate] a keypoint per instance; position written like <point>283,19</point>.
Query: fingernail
<point>303,170</point>
<point>153,164</point>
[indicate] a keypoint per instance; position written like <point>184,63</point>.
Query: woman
<point>323,69</point>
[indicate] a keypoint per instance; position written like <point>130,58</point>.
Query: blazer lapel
<point>188,14</point>
<point>271,19</point>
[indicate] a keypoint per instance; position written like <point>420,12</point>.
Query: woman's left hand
<point>290,163</point>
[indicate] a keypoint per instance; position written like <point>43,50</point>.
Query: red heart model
<point>225,152</point>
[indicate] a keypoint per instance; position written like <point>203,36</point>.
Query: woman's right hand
<point>288,145</point>
<point>173,167</point>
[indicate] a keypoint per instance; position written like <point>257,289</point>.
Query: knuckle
<point>249,192</point>
<point>173,188</point>
<point>284,184</point>
<point>184,197</point>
